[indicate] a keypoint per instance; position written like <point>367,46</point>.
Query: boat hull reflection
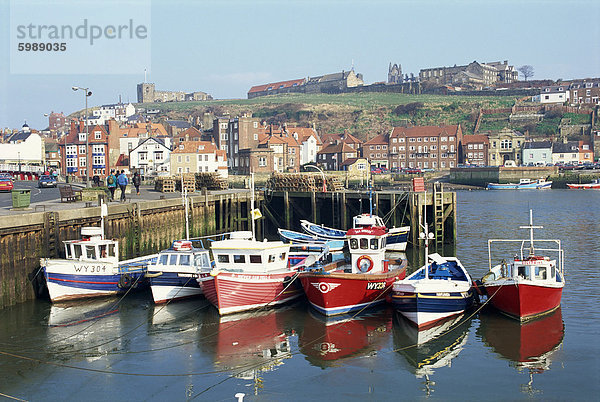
<point>325,340</point>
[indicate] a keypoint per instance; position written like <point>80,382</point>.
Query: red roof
<point>380,139</point>
<point>475,139</point>
<point>276,85</point>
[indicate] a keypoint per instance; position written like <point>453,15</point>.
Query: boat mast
<point>371,198</point>
<point>252,203</point>
<point>531,227</point>
<point>185,203</point>
<point>425,236</point>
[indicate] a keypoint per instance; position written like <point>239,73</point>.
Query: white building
<point>151,157</point>
<point>25,149</point>
<point>553,94</point>
<point>118,111</point>
<point>309,141</point>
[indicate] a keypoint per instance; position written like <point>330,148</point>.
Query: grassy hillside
<point>364,115</point>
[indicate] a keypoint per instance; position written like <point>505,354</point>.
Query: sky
<point>225,47</point>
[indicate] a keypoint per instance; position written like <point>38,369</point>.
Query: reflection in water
<point>247,344</point>
<point>325,340</point>
<point>86,327</point>
<point>430,348</point>
<point>528,346</point>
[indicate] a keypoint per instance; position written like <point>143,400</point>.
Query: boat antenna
<point>103,213</point>
<point>252,204</point>
<point>371,198</point>
<point>531,227</point>
<point>185,203</point>
<point>425,235</point>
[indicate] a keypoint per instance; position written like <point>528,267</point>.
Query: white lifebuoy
<point>360,263</point>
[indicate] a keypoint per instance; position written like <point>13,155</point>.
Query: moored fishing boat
<point>439,289</point>
<point>91,268</point>
<point>523,184</point>
<point>530,285</point>
<point>250,274</point>
<point>594,185</point>
<point>322,232</point>
<point>174,274</point>
<point>337,288</point>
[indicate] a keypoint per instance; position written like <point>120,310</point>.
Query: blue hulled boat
<point>439,289</point>
<point>289,236</point>
<point>177,272</point>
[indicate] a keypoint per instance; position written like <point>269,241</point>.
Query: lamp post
<point>87,93</point>
<point>322,174</point>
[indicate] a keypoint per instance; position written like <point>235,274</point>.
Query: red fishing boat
<point>250,274</point>
<point>338,288</point>
<point>530,285</point>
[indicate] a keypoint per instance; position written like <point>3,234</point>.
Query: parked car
<point>6,184</point>
<point>46,181</point>
<point>6,176</point>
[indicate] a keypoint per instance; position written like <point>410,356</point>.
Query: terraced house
<point>424,147</point>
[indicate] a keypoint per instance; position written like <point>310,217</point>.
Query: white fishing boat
<point>175,273</point>
<point>91,268</point>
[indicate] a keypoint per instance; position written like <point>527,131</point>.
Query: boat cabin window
<point>77,251</point>
<point>173,259</point>
<point>67,251</point>
<point>522,271</point>
<point>111,250</point>
<point>164,259</point>
<point>353,244</point>
<point>185,259</point>
<point>201,260</point>
<point>374,244</point>
<point>255,259</point>
<point>384,242</point>
<point>540,272</point>
<point>364,244</point>
<point>90,252</point>
<point>103,251</point>
<point>552,271</point>
<point>271,258</point>
<point>239,259</point>
<point>224,258</point>
<point>282,256</point>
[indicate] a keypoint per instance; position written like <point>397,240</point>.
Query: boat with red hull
<point>529,286</point>
<point>338,288</point>
<point>251,274</point>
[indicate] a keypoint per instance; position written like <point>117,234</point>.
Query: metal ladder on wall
<point>135,230</point>
<point>335,210</point>
<point>438,208</point>
<point>51,233</point>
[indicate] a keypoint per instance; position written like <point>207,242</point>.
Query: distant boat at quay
<point>523,184</point>
<point>594,185</point>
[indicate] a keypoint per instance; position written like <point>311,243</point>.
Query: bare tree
<point>526,71</point>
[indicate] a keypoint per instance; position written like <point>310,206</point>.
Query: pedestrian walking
<point>122,181</point>
<point>111,183</point>
<point>136,182</point>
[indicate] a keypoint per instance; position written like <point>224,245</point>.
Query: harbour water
<point>133,350</point>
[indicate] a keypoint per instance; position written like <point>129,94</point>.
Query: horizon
<point>193,47</point>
